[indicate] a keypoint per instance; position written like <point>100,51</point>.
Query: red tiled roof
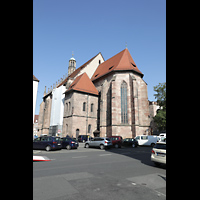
<point>84,84</point>
<point>120,62</point>
<point>35,79</point>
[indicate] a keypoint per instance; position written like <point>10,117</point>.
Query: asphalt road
<point>94,174</point>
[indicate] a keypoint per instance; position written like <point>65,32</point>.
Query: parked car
<point>83,138</point>
<point>149,140</point>
<point>47,142</point>
<point>116,141</point>
<point>162,137</point>
<point>131,142</point>
<point>162,134</point>
<point>158,153</point>
<point>69,143</point>
<point>102,142</point>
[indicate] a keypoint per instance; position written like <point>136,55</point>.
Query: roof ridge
<point>73,74</point>
<point>84,84</point>
<point>122,61</point>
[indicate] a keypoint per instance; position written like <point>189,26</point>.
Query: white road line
<point>79,157</point>
<point>160,193</point>
<point>105,154</point>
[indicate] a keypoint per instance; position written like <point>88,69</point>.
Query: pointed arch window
<point>124,113</point>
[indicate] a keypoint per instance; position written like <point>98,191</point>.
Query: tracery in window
<point>124,113</point>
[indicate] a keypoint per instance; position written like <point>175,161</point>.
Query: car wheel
<point>116,146</point>
<point>101,146</point>
<point>68,147</point>
<point>87,145</point>
<point>48,148</point>
<point>133,145</point>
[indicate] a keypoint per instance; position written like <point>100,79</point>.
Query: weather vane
<point>126,45</point>
<point>72,53</point>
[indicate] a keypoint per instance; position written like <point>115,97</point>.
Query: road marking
<point>79,157</point>
<point>105,154</point>
<point>160,193</point>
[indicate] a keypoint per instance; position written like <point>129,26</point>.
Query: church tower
<point>72,65</point>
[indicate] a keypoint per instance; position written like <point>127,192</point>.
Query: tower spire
<point>72,64</point>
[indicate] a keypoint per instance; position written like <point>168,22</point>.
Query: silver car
<point>158,153</point>
<point>102,142</point>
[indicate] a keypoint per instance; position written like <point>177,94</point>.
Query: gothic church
<point>100,98</point>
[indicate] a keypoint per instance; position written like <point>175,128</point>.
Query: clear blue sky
<point>88,27</point>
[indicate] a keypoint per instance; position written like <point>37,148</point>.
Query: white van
<point>149,140</point>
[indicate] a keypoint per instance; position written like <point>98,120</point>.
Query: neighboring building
<point>35,89</point>
<point>35,126</point>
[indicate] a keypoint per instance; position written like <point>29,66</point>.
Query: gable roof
<point>35,79</point>
<point>84,84</point>
<point>77,70</point>
<point>120,62</point>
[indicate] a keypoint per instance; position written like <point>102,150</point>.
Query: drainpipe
<point>87,114</point>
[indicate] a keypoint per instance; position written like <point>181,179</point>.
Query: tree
<point>160,118</point>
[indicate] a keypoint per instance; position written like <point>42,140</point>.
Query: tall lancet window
<point>124,113</point>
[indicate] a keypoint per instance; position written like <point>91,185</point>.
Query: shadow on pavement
<point>141,153</point>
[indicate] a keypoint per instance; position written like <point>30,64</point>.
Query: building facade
<point>102,98</point>
<point>51,114</point>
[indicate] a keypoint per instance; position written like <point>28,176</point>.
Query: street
<point>94,174</point>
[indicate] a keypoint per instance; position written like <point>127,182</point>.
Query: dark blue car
<point>47,142</point>
<point>69,143</point>
<point>84,138</point>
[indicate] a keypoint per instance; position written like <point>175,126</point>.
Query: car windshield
<point>160,146</point>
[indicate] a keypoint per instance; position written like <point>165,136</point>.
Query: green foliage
<point>160,118</point>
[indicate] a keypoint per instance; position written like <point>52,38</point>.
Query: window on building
<point>84,105</point>
<point>99,62</point>
<point>66,108</point>
<point>69,108</point>
<point>89,128</point>
<point>92,105</point>
<point>124,113</point>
